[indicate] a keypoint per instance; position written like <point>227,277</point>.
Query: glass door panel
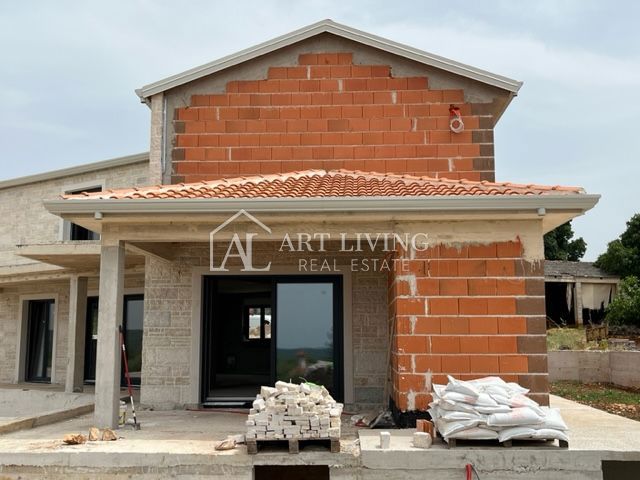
<point>305,347</point>
<point>91,340</point>
<point>133,318</point>
<point>39,340</point>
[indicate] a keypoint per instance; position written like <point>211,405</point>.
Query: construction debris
<point>109,435</point>
<point>94,434</point>
<point>226,444</point>
<point>385,440</point>
<point>74,439</point>
<point>290,411</point>
<point>105,435</point>
<point>422,440</point>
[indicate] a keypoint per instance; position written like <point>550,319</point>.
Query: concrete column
<point>76,334</point>
<point>577,302</point>
<point>109,319</point>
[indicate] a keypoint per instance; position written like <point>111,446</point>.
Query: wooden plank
<point>293,445</point>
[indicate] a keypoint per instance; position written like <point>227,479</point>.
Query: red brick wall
<point>328,113</point>
<point>468,311</point>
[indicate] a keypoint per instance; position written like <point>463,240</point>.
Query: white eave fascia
<point>511,203</point>
<point>329,26</point>
<point>76,170</point>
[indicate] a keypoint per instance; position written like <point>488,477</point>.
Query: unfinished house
<point>321,206</point>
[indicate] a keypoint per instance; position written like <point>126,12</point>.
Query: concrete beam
<point>76,334</point>
<point>109,319</point>
<point>159,251</point>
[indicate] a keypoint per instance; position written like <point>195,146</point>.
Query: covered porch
<point>402,327</point>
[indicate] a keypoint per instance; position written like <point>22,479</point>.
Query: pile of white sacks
<point>288,410</point>
<point>490,408</point>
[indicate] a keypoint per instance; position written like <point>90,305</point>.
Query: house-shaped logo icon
<point>236,248</point>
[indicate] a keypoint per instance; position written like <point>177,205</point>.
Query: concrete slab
<point>28,407</point>
<point>181,444</point>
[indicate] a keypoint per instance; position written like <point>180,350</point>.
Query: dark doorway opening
<point>291,472</point>
<point>39,340</point>
<point>619,470</point>
<point>132,324</point>
<point>259,329</point>
<point>559,302</point>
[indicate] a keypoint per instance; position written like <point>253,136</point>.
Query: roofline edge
<point>75,170</point>
<point>578,202</point>
<point>335,28</point>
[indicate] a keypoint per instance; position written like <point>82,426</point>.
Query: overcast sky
<point>68,70</point>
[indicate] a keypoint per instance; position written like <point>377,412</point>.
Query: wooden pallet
<point>294,444</point>
<point>455,443</point>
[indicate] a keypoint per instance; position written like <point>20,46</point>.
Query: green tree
<point>623,254</point>
<point>625,308</point>
<point>558,244</point>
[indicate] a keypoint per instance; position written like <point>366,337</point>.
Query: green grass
<point>571,339</point>
<point>619,401</point>
<point>595,393</point>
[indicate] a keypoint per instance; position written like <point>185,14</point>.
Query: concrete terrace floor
<point>181,443</point>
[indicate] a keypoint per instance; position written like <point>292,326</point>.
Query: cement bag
<point>528,433</point>
<point>515,388</point>
<point>447,429</point>
<point>476,433</point>
<point>452,415</point>
<point>517,416</point>
<point>460,386</point>
<point>482,399</point>
<point>552,419</point>
<point>457,406</point>
<point>517,401</point>
<point>434,412</point>
<point>490,410</point>
<point>486,382</point>
<point>438,390</point>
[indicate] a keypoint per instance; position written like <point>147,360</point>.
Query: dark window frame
<point>76,232</point>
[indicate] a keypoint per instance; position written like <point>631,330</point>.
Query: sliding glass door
<point>39,340</point>
<point>306,347</point>
<point>259,329</point>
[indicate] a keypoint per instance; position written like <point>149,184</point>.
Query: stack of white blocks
<point>290,411</point>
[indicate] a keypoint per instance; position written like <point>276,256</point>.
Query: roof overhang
<point>329,26</point>
<point>552,210</point>
<point>581,202</point>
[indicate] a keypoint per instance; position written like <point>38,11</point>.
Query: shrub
<point>625,307</point>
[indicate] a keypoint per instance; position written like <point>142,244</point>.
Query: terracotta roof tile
<point>334,183</point>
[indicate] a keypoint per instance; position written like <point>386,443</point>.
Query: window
<point>257,323</point>
<point>76,232</point>
<point>39,340</point>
